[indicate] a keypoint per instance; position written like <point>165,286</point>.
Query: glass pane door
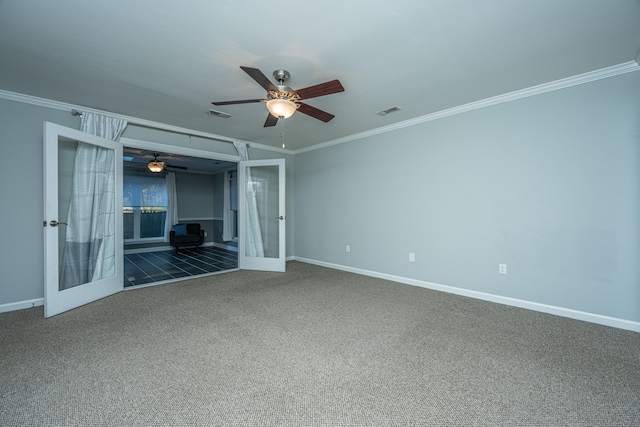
<point>262,215</point>
<point>82,218</point>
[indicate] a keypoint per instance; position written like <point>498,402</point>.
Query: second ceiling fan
<point>282,101</point>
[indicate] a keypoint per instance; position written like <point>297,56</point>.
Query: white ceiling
<point>165,61</point>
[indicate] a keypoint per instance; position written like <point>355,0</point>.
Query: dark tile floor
<point>145,268</point>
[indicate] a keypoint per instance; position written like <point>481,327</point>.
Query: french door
<point>79,270</point>
<point>261,225</point>
<point>261,228</point>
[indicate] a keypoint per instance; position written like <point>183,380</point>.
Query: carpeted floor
<point>311,347</point>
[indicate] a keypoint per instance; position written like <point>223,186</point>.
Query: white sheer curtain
<point>172,204</point>
<point>89,252</point>
<point>254,245</point>
<point>227,224</point>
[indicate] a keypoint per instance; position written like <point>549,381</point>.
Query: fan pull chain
<point>282,131</point>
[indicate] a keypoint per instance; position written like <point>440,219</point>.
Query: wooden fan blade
<point>271,121</point>
<point>244,101</point>
<point>259,77</point>
<point>175,167</point>
<point>314,112</point>
<point>334,86</point>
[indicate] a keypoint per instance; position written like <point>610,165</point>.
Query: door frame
<point>176,149</point>
<point>55,300</point>
<point>262,263</point>
<point>51,266</point>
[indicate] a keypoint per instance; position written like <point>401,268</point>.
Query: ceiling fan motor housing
<point>284,92</point>
<point>281,76</point>
<point>282,101</point>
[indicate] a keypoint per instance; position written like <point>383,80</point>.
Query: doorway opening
<point>187,190</point>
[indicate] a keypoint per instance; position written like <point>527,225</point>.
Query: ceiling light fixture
<point>155,165</point>
<point>281,108</point>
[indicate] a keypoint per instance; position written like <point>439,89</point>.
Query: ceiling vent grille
<point>388,111</point>
<point>219,114</point>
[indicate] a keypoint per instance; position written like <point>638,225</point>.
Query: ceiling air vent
<point>219,114</point>
<point>388,110</point>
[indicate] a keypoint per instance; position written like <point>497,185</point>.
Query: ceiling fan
<point>157,166</point>
<point>282,101</point>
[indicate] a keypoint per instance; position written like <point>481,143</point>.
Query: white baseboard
<point>168,248</point>
<point>543,308</point>
<point>223,246</point>
<point>21,305</point>
<point>514,302</point>
<point>145,250</point>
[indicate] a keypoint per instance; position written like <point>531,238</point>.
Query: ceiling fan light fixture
<point>281,108</point>
<point>155,165</point>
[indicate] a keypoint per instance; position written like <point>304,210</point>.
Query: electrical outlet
<point>205,234</point>
<point>502,268</point>
<point>412,257</point>
<point>347,248</point>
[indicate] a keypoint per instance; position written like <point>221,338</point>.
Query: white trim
<point>143,240</point>
<point>57,105</point>
<point>148,249</point>
<point>40,102</point>
<point>626,67</point>
<point>614,322</point>
<point>268,147</point>
<point>63,106</point>
<point>256,260</point>
<point>57,301</point>
<point>175,149</point>
<point>227,247</point>
<point>200,219</point>
<point>604,73</point>
<point>164,248</point>
<point>21,305</point>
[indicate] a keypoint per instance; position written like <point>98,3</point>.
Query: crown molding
<point>63,106</point>
<point>40,102</point>
<point>269,148</point>
<point>591,76</point>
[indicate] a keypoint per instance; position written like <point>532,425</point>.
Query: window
<point>144,207</point>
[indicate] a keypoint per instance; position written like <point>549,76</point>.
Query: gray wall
<point>21,193</point>
<point>21,210</point>
<point>173,139</point>
<point>196,200</point>
<point>255,153</point>
<point>218,208</point>
<point>548,185</point>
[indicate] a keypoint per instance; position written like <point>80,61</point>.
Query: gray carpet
<point>311,347</point>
